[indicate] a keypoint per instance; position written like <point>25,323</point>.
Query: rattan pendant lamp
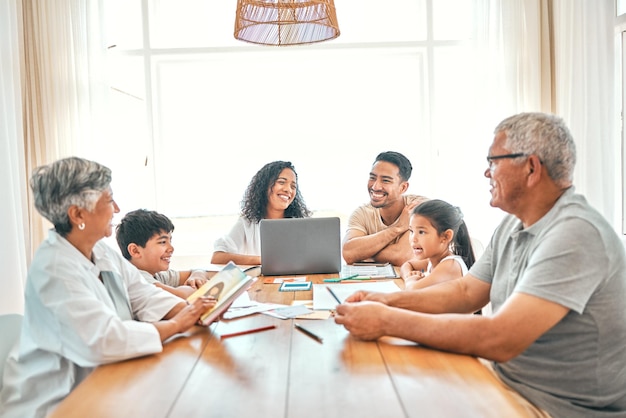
<point>286,22</point>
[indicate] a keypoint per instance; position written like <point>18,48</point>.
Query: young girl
<point>441,244</point>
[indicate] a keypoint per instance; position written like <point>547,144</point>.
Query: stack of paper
<point>374,271</point>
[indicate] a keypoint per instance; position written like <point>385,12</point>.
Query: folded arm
<point>445,271</point>
<point>358,246</point>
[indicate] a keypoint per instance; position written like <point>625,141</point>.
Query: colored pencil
<point>249,331</point>
<point>307,332</point>
<point>333,294</point>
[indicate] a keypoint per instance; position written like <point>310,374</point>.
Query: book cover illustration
<point>225,286</point>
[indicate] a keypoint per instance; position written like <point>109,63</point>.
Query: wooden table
<point>284,373</point>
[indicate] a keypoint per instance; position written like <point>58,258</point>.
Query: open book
<point>225,286</point>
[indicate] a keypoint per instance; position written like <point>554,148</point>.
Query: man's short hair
<point>399,160</point>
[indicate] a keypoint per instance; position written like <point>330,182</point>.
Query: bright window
<point>195,113</point>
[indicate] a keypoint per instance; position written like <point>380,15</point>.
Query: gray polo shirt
<point>572,257</point>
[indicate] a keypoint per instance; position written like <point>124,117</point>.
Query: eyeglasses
<point>491,158</point>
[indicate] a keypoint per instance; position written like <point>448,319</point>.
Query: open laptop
<point>300,246</point>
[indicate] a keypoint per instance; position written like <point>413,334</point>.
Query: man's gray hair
<point>545,136</point>
<point>66,182</point>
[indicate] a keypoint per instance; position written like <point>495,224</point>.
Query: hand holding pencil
<point>333,295</point>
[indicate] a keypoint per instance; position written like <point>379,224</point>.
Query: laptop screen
<point>300,246</point>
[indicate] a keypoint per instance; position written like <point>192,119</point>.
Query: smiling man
<point>554,271</point>
<point>378,231</point>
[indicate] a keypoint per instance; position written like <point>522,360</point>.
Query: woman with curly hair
<point>272,194</point>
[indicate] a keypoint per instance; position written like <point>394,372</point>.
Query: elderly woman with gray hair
<point>85,305</point>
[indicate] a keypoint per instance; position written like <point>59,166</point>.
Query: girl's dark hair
<point>254,203</point>
<point>444,216</point>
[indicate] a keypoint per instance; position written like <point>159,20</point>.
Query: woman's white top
<point>243,238</point>
<point>74,322</point>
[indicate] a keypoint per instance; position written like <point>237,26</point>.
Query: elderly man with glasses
<point>554,272</point>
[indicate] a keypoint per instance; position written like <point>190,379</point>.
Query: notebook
<point>372,270</point>
<point>300,246</point>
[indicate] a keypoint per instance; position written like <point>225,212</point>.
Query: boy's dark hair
<point>399,160</point>
<point>138,226</point>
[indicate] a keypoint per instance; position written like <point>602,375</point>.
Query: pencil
<point>307,332</point>
<point>340,279</point>
<point>333,294</point>
<point>350,277</point>
<point>249,331</point>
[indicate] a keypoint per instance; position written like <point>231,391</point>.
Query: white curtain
<point>13,247</point>
<point>585,89</point>
<point>557,56</point>
<point>510,41</point>
<point>50,87</point>
<point>507,78</point>
<point>61,83</point>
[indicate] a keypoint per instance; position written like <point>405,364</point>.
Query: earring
<point>81,226</point>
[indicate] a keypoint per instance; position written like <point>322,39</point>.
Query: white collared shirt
<point>72,324</point>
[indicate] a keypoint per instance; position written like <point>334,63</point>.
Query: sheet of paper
<point>322,299</point>
<point>291,311</point>
<point>312,314</point>
<point>306,302</point>
<point>242,301</point>
<point>257,307</point>
<point>315,315</point>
